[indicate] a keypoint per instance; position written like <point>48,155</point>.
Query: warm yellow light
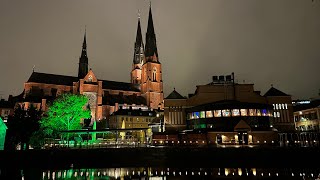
<point>226,171</point>
<point>254,171</point>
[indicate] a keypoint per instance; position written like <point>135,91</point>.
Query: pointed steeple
<point>83,60</point>
<point>151,44</point>
<point>138,45</point>
<point>84,45</point>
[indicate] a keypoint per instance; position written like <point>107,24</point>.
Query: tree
<point>21,126</point>
<point>65,114</point>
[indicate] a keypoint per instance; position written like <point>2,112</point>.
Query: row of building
<point>226,111</point>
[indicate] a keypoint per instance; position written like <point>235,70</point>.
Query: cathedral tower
<point>83,60</point>
<point>138,57</point>
<point>151,79</point>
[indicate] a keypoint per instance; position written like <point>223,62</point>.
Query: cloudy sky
<point>262,41</point>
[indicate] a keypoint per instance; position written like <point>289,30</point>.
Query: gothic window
<point>90,78</point>
<point>154,74</point>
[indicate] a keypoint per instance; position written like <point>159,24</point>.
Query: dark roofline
<point>275,92</point>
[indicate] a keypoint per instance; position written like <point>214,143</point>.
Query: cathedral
<point>144,92</point>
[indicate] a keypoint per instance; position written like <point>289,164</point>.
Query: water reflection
<point>161,173</point>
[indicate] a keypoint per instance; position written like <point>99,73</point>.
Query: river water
<point>159,173</point>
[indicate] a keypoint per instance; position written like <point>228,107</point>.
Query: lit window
<point>274,106</point>
<point>90,78</point>
<point>202,114</point>
<point>264,112</point>
<point>226,113</point>
<point>235,112</point>
<point>209,114</point>
<point>282,106</point>
<point>154,74</point>
<point>274,114</point>
<point>277,106</point>
<point>278,114</point>
<point>196,115</point>
<point>286,106</point>
<point>252,112</point>
<point>258,112</point>
<point>244,112</point>
<point>217,113</point>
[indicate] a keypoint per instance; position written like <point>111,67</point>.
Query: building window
<point>282,106</point>
<point>226,113</point>
<point>195,115</point>
<point>235,112</point>
<point>202,114</point>
<point>90,78</point>
<point>264,112</point>
<point>243,112</point>
<point>252,112</point>
<point>209,114</point>
<point>286,106</point>
<point>258,112</point>
<point>278,114</point>
<point>217,113</point>
<point>154,74</point>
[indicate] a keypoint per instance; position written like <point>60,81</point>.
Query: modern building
<point>307,115</point>
<point>145,91</point>
<point>227,112</point>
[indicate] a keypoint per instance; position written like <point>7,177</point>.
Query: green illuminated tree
<point>65,113</point>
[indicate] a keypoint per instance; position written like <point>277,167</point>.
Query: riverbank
<point>183,157</point>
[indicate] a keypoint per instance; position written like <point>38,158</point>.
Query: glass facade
<point>229,113</point>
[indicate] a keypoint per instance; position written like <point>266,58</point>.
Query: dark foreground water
<point>161,173</point>
<point>161,163</point>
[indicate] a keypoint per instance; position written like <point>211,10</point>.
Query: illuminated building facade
<point>229,112</point>
<point>134,119</point>
<point>145,91</point>
<point>307,116</point>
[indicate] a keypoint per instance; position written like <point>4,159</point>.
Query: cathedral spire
<point>84,45</point>
<point>83,60</point>
<point>138,45</point>
<point>151,45</point>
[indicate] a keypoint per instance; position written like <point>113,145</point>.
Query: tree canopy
<point>65,113</point>
<point>21,126</point>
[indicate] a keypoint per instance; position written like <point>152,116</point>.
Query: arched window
<point>90,78</point>
<point>154,74</point>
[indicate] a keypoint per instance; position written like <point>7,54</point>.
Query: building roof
<point>45,78</point>
<point>38,77</point>
<point>175,95</point>
<point>111,99</point>
<point>275,92</point>
<point>114,85</point>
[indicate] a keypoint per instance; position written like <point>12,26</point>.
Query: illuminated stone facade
<point>146,68</point>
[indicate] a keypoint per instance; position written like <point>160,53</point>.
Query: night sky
<point>262,41</point>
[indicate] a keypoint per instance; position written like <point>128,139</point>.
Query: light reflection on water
<point>181,173</point>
